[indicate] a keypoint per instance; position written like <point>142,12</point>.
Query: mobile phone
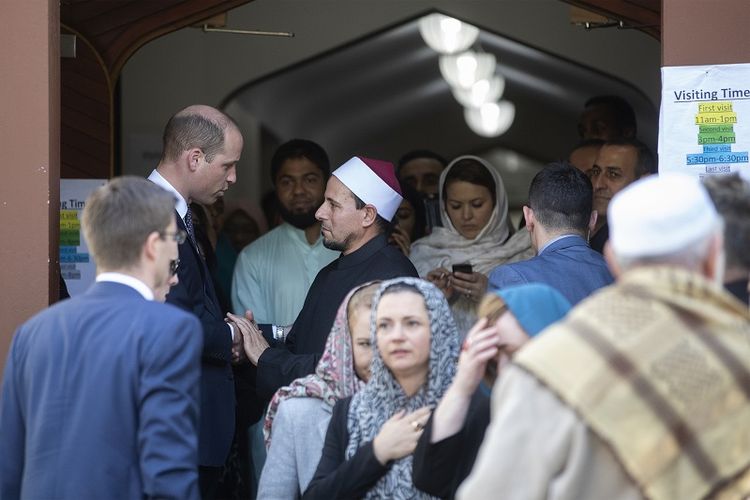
<point>462,268</point>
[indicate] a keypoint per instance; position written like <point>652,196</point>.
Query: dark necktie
<point>189,224</point>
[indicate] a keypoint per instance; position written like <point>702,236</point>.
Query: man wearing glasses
<point>161,293</point>
<point>201,149</point>
<point>100,391</point>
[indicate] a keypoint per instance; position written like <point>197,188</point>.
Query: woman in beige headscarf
<point>476,231</point>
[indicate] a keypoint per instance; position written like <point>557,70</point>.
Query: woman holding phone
<point>475,237</point>
<point>448,447</point>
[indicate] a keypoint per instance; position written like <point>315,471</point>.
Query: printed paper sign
<point>76,265</point>
<point>704,125</point>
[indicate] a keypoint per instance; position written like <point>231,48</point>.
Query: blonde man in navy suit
<point>100,392</point>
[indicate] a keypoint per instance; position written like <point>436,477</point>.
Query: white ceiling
<point>359,81</point>
<point>383,95</point>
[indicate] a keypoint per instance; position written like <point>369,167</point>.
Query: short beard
<point>338,246</point>
<point>300,221</point>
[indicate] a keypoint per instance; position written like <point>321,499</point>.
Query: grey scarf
<point>382,397</point>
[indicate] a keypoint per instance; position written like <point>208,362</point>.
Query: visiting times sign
<point>704,125</point>
<point>77,267</point>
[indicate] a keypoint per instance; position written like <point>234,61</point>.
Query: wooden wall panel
<point>644,15</point>
<point>117,28</point>
<point>109,32</point>
<point>86,133</point>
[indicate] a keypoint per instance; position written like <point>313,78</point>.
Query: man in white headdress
<point>361,198</point>
<point>643,390</point>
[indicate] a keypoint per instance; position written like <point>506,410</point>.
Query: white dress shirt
<point>125,279</point>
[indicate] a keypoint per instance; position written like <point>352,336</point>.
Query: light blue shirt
<point>273,273</point>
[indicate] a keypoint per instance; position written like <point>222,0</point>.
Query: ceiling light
<point>447,35</point>
<point>487,90</point>
<point>465,69</point>
<point>491,119</point>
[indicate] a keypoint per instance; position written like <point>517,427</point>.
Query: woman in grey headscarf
<point>371,436</point>
<point>476,234</point>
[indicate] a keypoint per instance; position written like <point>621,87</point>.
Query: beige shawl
<point>658,365</point>
<point>492,246</point>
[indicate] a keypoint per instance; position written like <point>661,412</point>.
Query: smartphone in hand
<point>462,268</point>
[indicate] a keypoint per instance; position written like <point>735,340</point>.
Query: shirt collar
<point>555,240</point>
<point>363,253</point>
<point>127,280</point>
<point>159,180</point>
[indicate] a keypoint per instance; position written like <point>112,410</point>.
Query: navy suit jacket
<point>195,293</point>
<point>568,264</point>
<point>100,400</point>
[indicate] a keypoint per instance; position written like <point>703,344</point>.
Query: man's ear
<point>193,157</point>
<point>150,247</point>
<point>714,264</point>
<point>528,215</point>
<point>370,214</point>
<point>609,256</point>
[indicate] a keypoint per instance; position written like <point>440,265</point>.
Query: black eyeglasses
<point>173,265</point>
<point>179,236</point>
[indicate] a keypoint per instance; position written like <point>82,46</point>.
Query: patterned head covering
<point>382,397</point>
<point>334,377</point>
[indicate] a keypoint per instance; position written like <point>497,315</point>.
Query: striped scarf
<point>658,366</point>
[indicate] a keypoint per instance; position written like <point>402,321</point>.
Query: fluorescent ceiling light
<point>491,119</point>
<point>465,69</point>
<point>483,91</point>
<point>447,35</point>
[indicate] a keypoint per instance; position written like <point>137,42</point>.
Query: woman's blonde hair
<point>361,298</point>
<point>492,307</point>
